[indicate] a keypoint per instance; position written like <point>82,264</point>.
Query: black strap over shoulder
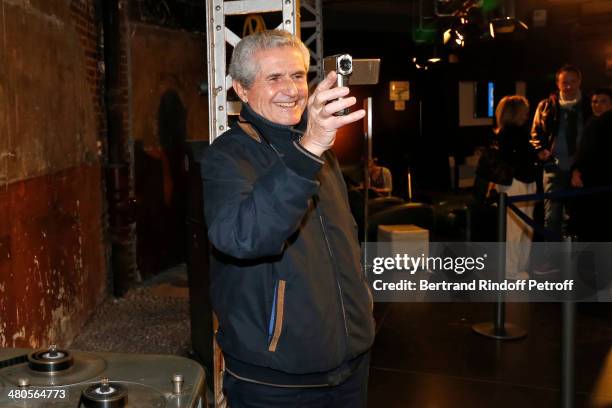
<point>252,130</point>
<point>249,129</point>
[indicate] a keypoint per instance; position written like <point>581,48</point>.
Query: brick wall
<point>52,251</point>
<point>87,24</point>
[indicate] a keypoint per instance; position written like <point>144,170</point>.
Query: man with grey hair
<point>556,133</point>
<point>294,308</point>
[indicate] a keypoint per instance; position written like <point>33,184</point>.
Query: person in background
<point>557,129</point>
<point>381,181</point>
<point>601,101</point>
<point>591,169</point>
<point>513,138</point>
<point>558,126</point>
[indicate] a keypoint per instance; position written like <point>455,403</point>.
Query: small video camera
<point>354,72</point>
<point>343,65</point>
<point>344,68</point>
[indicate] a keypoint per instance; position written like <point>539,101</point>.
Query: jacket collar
<point>269,128</point>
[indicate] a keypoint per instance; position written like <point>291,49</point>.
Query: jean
<point>352,393</point>
<point>555,211</point>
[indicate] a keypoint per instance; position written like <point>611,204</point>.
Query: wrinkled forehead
<point>568,77</point>
<point>278,59</point>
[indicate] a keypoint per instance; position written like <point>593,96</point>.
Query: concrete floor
<point>427,355</point>
<point>153,318</point>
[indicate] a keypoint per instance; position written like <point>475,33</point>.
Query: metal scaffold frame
<point>219,37</point>
<point>314,41</point>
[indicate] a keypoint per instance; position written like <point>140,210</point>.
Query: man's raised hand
<point>322,124</point>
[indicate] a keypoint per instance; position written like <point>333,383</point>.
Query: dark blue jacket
<point>286,283</point>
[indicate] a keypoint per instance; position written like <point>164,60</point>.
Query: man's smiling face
<point>279,92</point>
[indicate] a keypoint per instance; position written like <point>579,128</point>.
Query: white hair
<point>242,67</point>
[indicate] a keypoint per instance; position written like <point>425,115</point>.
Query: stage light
<point>419,63</point>
<point>507,25</point>
<point>424,63</point>
<point>453,37</point>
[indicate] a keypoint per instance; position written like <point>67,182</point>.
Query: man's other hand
<point>544,155</point>
<point>577,179</point>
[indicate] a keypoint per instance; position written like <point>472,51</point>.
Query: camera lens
<point>345,64</point>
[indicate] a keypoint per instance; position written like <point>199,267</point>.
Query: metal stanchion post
<point>500,304</point>
<point>499,329</point>
<point>367,156</point>
<point>567,337</point>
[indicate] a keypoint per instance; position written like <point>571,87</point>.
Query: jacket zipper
<point>272,320</point>
<point>335,266</point>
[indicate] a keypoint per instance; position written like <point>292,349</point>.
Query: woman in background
<point>513,138</point>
